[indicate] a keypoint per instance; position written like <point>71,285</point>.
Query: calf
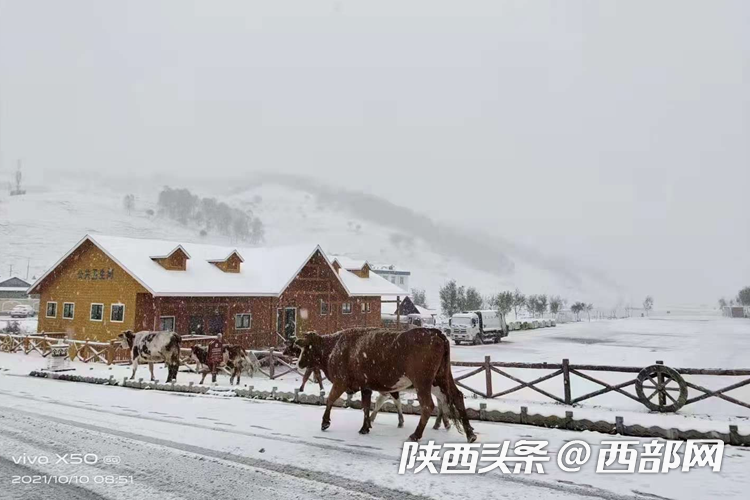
<point>153,347</point>
<point>235,359</point>
<point>375,359</point>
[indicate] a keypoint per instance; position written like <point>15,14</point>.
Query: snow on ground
<point>678,341</point>
<point>28,325</point>
<point>178,446</point>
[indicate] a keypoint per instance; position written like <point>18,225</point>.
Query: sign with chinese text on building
<point>96,274</point>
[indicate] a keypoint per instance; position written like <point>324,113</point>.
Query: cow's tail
<point>456,410</point>
<point>173,348</point>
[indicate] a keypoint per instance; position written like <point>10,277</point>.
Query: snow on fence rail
<point>658,387</point>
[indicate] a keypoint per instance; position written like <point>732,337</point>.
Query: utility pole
<point>28,264</point>
<point>10,274</point>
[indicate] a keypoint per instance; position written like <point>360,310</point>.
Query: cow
<point>153,347</point>
<point>376,359</point>
<point>293,350</point>
<point>235,359</point>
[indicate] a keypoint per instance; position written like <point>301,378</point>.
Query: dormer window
<point>176,260</point>
<point>229,264</point>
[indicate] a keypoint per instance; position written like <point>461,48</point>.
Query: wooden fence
<point>273,363</point>
<point>658,387</point>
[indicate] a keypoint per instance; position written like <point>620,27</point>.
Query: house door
<point>286,321</point>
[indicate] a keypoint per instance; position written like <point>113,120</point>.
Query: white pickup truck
<point>478,327</point>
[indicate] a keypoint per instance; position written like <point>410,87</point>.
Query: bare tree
<point>419,297</point>
<point>532,304</point>
<point>555,304</point>
<point>474,300</point>
<point>128,203</point>
<point>519,301</point>
<point>589,308</point>
<point>648,304</point>
<point>541,304</point>
<point>744,296</point>
<point>577,308</point>
<point>503,302</point>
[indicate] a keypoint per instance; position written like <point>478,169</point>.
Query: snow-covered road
<point>178,446</point>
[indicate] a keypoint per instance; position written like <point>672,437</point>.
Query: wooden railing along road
<point>658,387</point>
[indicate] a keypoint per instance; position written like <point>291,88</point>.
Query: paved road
<point>175,447</point>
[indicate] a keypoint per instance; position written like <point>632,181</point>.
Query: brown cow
<point>375,359</point>
<point>235,359</point>
<point>294,350</point>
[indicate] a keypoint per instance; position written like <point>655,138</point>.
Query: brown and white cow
<point>153,347</point>
<point>235,359</point>
<point>375,359</point>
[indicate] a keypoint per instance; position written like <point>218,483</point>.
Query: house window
<point>393,280</point>
<point>51,309</point>
<point>323,307</point>
<point>346,308</point>
<point>243,321</point>
<point>117,313</point>
<point>166,323</point>
<point>69,309</point>
<point>365,307</point>
<point>400,280</point>
<point>97,312</point>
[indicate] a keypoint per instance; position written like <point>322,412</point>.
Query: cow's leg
<point>378,404</point>
<point>336,392</point>
<point>442,415</point>
<point>203,378</point>
<point>151,369</point>
<point>366,397</point>
<point>424,395</point>
<point>135,367</point>
<point>173,369</point>
<point>319,378</point>
<point>397,401</point>
<point>305,377</point>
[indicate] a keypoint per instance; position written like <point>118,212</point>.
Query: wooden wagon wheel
<point>660,388</point>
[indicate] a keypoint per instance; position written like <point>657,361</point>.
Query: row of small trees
<point>742,299</point>
<point>455,298</point>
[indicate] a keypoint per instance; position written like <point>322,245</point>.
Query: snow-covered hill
<point>37,228</point>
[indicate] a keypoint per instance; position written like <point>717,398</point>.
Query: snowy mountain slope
<point>37,228</point>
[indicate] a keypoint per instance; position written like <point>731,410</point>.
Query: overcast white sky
<point>614,133</point>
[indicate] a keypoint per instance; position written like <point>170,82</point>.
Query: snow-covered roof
<point>266,271</point>
<point>13,289</point>
<point>348,262</point>
<point>390,268</point>
<point>372,285</point>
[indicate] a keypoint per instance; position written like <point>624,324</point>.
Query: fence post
<point>660,379</point>
<point>26,345</point>
<point>111,352</point>
<point>271,365</point>
<point>566,379</point>
<point>488,377</point>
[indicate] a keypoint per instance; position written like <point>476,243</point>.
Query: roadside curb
<point>732,437</point>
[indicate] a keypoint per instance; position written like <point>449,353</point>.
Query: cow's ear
<point>303,341</point>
